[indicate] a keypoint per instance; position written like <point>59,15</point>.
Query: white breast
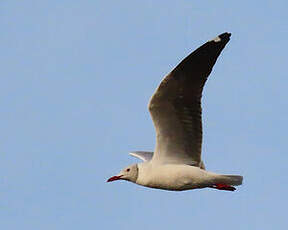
<point>172,176</point>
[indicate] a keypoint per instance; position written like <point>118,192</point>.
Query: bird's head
<point>129,173</point>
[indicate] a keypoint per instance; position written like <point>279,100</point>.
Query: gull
<point>176,111</point>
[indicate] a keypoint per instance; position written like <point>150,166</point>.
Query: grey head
<point>130,173</point>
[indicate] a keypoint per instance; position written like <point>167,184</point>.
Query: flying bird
<point>176,111</point>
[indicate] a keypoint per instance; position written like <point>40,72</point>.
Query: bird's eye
<point>127,170</point>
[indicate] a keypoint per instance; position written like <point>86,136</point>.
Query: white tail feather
<point>231,179</point>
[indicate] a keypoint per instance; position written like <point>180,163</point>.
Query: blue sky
<point>76,77</point>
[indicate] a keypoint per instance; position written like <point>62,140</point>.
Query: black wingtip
<point>204,58</point>
<point>225,35</point>
<point>222,38</point>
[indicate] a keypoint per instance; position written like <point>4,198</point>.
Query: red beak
<point>114,178</point>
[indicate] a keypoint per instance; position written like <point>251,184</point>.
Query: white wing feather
<point>142,155</point>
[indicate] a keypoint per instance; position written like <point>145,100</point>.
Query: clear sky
<point>76,77</point>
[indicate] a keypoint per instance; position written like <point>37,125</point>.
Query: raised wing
<point>142,155</point>
<point>175,107</point>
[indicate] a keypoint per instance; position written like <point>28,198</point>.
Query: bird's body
<point>184,177</point>
<point>176,111</point>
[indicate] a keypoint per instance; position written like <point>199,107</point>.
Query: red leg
<point>223,187</point>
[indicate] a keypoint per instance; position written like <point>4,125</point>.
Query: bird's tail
<point>232,179</point>
<point>226,182</point>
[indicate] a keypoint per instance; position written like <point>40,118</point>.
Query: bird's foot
<point>224,187</point>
